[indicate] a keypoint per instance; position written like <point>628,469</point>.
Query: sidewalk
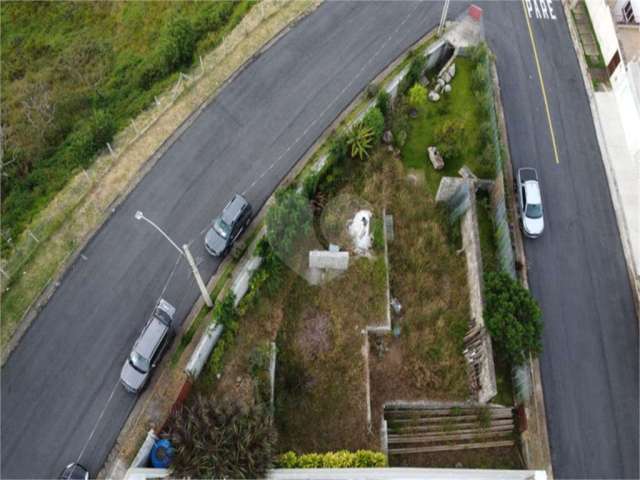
<point>625,169</point>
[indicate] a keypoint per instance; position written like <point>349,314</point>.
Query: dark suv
<point>151,344</point>
<point>235,217</point>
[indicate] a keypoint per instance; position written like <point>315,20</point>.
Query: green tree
<point>339,147</point>
<point>513,317</point>
<point>360,140</point>
<point>288,221</point>
<point>449,136</point>
<point>374,120</point>
<point>417,96</point>
<point>221,440</point>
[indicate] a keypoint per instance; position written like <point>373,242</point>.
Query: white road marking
<point>542,9</point>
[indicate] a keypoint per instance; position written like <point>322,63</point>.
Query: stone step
<point>443,411</point>
<point>446,448</point>
<point>402,439</point>
<point>441,433</point>
<point>445,427</point>
<point>443,418</point>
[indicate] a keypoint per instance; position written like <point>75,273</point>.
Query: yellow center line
<point>542,87</point>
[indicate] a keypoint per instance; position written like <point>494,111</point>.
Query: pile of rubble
<point>443,82</point>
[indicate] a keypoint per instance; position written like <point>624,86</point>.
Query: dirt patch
<point>507,458</point>
<point>314,337</point>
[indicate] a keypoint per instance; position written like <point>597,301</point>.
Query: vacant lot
<point>74,73</point>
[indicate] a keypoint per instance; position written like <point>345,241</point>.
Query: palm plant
<point>360,140</point>
<point>221,440</point>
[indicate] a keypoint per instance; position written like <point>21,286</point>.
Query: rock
<point>396,305</point>
<point>441,82</point>
<point>446,77</point>
<point>387,137</point>
<point>434,96</point>
<point>435,158</point>
<point>439,87</point>
<point>452,70</point>
<point>447,88</point>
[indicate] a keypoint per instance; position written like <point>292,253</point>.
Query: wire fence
<point>75,194</point>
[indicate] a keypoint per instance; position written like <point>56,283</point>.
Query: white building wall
<point>627,91</point>
<point>604,28</point>
<point>619,4</point>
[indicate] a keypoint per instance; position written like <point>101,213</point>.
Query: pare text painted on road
<point>542,9</point>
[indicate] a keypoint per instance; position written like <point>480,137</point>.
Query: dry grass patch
<point>67,226</point>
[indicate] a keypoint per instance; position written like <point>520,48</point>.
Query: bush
<point>339,459</point>
<point>221,440</point>
<point>289,220</point>
<point>383,103</point>
<point>178,43</point>
<point>449,136</point>
<point>417,96</point>
<point>339,147</point>
<point>413,75</point>
<point>374,120</point>
<point>513,318</point>
<point>372,90</point>
<point>360,140</point>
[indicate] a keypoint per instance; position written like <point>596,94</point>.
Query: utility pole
<point>185,252</point>
<point>443,18</point>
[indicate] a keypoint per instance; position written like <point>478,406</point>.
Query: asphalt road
<point>60,395</point>
<point>577,269</point>
<point>60,398</point>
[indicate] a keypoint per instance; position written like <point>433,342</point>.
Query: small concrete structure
<point>447,188</point>
<point>324,259</point>
<point>203,350</point>
<point>435,158</point>
<point>395,473</point>
<point>142,457</point>
<point>240,283</point>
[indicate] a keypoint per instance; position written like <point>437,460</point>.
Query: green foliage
<point>413,75</point>
<point>215,439</point>
<point>378,234</point>
<point>339,147</point>
<point>383,103</point>
<point>339,459</point>
<point>450,136</point>
<point>513,317</point>
<point>224,313</point>
<point>417,96</point>
<point>374,121</point>
<point>289,220</point>
<point>360,140</point>
<point>75,73</point>
<point>310,185</point>
<point>372,90</point>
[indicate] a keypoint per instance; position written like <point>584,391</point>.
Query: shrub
<point>339,459</point>
<point>413,75</point>
<point>339,147</point>
<point>383,103</point>
<point>178,43</point>
<point>513,317</point>
<point>372,90</point>
<point>288,221</point>
<point>417,96</point>
<point>449,136</point>
<point>360,140</point>
<point>221,440</point>
<point>374,120</point>
<point>310,185</point>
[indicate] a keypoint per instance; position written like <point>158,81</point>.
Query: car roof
<point>150,337</point>
<point>532,190</point>
<point>233,209</point>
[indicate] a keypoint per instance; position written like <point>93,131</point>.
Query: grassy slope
<point>69,59</point>
<point>459,104</point>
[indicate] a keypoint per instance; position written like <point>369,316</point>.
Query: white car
<point>530,202</point>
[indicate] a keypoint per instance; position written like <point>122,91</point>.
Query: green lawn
<point>74,73</point>
<point>460,105</point>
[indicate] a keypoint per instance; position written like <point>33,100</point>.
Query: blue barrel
<point>162,454</point>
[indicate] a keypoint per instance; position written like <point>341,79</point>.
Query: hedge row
<point>339,459</point>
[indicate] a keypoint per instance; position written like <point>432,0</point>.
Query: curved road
<point>60,397</point>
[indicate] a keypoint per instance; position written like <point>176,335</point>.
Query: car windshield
<point>138,362</point>
<point>222,228</point>
<point>534,210</point>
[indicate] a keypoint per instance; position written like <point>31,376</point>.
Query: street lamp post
<point>185,252</point>
<point>443,18</point>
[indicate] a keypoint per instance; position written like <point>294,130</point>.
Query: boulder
<point>447,88</point>
<point>452,70</point>
<point>441,82</point>
<point>434,96</point>
<point>387,137</point>
<point>439,87</point>
<point>446,77</point>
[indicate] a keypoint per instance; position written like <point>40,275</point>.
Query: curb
<point>625,238</point>
<point>534,366</point>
